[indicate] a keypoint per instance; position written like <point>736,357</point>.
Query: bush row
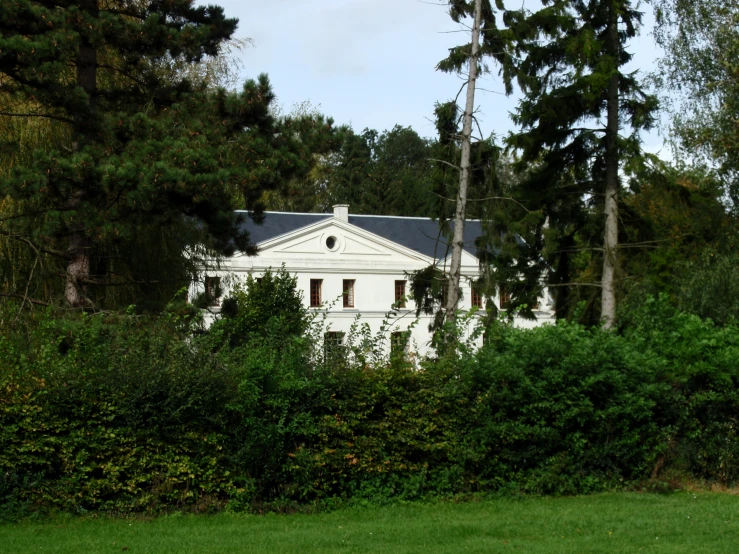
<point>130,414</point>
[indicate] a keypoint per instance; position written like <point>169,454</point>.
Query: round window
<point>331,243</point>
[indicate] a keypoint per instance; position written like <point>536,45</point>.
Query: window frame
<point>349,293</point>
<point>504,297</point>
<point>333,345</point>
<point>315,295</point>
<point>213,297</point>
<point>399,341</point>
<point>400,299</point>
<point>476,297</point>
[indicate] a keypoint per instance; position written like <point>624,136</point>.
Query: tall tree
<point>486,41</point>
<point>459,10</point>
<point>568,58</point>
<point>147,150</point>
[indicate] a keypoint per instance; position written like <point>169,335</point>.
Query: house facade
<point>349,266</point>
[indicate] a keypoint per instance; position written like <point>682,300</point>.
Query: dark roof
<point>416,233</point>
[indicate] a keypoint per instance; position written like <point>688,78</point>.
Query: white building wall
<point>374,264</point>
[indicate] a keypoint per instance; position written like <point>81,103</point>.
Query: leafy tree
<point>685,238</point>
<point>699,75</point>
<point>568,58</point>
<point>271,306</point>
<point>709,287</point>
<point>147,152</point>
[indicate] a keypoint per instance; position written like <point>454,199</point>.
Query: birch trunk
<point>453,293</point>
<point>610,237</point>
<point>78,246</point>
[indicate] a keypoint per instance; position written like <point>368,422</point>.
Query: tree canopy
<point>140,150</point>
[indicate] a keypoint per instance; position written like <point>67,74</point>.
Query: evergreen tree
<point>384,173</point>
<point>568,59</point>
<point>147,151</point>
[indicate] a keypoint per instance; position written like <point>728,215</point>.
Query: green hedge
<point>128,414</point>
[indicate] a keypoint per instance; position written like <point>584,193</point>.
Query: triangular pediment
<point>356,246</point>
<point>336,240</point>
<point>308,245</point>
<point>468,261</point>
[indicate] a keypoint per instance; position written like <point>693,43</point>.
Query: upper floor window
<point>349,293</point>
<point>400,294</point>
<point>505,296</point>
<point>213,290</point>
<point>476,297</point>
<point>315,292</point>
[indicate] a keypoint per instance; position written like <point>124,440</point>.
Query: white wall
<point>374,264</point>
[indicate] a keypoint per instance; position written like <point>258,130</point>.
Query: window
<point>333,346</point>
<point>400,294</point>
<point>398,342</point>
<point>213,290</point>
<point>315,292</point>
<point>331,243</point>
<point>476,297</point>
<point>348,293</point>
<point>505,296</point>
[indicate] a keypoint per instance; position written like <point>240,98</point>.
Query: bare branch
<point>31,300</point>
<point>598,285</point>
<point>444,162</point>
<point>44,115</point>
<point>500,198</point>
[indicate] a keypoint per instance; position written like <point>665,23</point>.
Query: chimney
<point>341,212</point>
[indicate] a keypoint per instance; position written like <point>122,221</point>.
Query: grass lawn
<point>683,522</point>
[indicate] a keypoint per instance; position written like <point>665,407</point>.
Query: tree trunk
<point>453,293</point>
<point>78,270</point>
<point>78,266</point>
<point>610,236</point>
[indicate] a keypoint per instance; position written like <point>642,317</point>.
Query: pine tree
<point>568,58</point>
<point>147,150</point>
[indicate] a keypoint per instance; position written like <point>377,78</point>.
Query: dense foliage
<point>147,163</point>
<point>700,39</point>
<point>131,414</point>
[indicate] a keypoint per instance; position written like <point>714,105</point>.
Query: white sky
<point>371,63</point>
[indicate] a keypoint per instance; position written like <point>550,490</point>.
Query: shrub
<point>131,414</point>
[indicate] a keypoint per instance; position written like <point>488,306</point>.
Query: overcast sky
<point>371,63</point>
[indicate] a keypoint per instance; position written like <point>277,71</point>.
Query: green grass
<point>693,523</point>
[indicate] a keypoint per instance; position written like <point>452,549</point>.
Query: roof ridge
<point>352,215</point>
<point>287,213</point>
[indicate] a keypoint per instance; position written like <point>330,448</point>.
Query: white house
<point>349,265</point>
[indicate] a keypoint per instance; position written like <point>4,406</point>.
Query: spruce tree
<point>145,151</point>
<point>580,116</point>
